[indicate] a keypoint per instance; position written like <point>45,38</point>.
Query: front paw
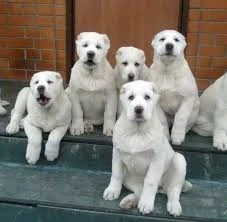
<point>12,128</point>
<point>111,193</point>
<point>108,128</point>
<point>32,154</point>
<point>51,153</point>
<point>174,208</point>
<point>2,111</point>
<point>77,129</point>
<point>145,205</point>
<point>220,143</point>
<point>177,138</point>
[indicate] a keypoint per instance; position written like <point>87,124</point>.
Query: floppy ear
<point>79,37</point>
<point>155,91</point>
<point>123,90</point>
<point>118,53</point>
<point>143,57</point>
<point>106,40</point>
<point>58,76</point>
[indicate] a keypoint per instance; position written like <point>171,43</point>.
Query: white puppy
<point>2,109</point>
<point>92,88</point>
<point>143,159</point>
<point>130,65</point>
<point>48,109</point>
<point>175,81</point>
<point>212,120</point>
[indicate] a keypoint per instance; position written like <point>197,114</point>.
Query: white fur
<point>143,159</point>
<point>130,63</point>
<point>212,120</point>
<point>2,109</point>
<point>92,88</point>
<point>53,117</point>
<point>176,84</point>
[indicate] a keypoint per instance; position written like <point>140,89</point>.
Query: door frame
<point>70,30</point>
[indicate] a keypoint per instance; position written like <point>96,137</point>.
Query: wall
<point>32,37</point>
<point>207,40</point>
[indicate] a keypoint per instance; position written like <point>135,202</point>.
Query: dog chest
<point>137,162</point>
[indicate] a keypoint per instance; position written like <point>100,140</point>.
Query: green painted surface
<point>18,213</point>
<point>81,189</point>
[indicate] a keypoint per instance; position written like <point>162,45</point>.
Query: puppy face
<point>45,87</point>
<point>138,100</point>
<point>169,44</point>
<point>130,61</point>
<point>92,47</point>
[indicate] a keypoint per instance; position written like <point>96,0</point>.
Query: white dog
<point>176,84</point>
<point>143,159</point>
<point>2,109</point>
<point>212,120</point>
<point>48,109</point>
<point>92,88</point>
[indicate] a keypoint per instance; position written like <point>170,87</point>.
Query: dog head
<point>46,86</point>
<point>168,45</point>
<point>138,100</point>
<point>92,47</point>
<point>130,61</point>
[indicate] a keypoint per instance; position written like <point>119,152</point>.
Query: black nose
<point>90,54</point>
<point>41,89</point>
<point>138,110</point>
<point>131,76</point>
<point>169,46</point>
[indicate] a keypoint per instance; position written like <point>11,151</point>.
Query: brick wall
<point>207,40</point>
<point>32,37</point>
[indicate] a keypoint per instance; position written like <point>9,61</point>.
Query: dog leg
<point>174,182</point>
<point>77,126</point>
<point>110,112</point>
<point>34,135</point>
<point>151,182</point>
<point>53,143</point>
<point>113,191</point>
<point>180,120</point>
<point>220,127</point>
<point>18,111</point>
<point>2,111</point>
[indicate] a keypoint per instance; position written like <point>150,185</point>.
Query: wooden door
<point>127,22</point>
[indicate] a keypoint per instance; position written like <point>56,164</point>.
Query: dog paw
<point>129,201</point>
<point>108,127</point>
<point>177,138</point>
<point>2,111</point>
<point>12,128</point>
<point>111,193</point>
<point>108,132</point>
<point>174,208</point>
<point>51,154</point>
<point>88,127</point>
<point>145,206</point>
<point>32,156</point>
<point>220,143</point>
<point>77,129</point>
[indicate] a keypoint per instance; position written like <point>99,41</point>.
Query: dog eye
<point>131,97</point>
<point>125,63</point>
<point>36,82</point>
<point>49,82</point>
<point>176,40</point>
<point>162,39</point>
<point>137,64</point>
<point>147,97</point>
<point>98,47</point>
<point>85,45</point>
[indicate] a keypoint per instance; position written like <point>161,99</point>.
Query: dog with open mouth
<point>92,89</point>
<point>143,160</point>
<point>48,110</point>
<point>175,82</point>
